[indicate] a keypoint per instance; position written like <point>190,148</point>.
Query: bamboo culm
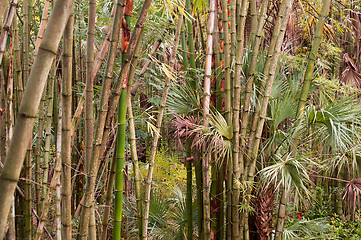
<point>29,106</point>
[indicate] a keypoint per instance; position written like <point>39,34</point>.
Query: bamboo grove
<point>179,119</point>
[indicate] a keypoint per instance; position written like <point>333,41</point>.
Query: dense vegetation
<point>219,119</point>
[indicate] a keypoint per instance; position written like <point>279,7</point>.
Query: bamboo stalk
<point>100,122</point>
<point>252,71</point>
<point>66,130</point>
<point>26,71</point>
<point>17,67</point>
<point>312,56</point>
<point>49,117</point>
<point>44,21</point>
<point>132,137</point>
<point>192,60</point>
<point>237,165</point>
<point>58,159</point>
<point>120,142</point>
<point>86,213</point>
<point>28,107</point>
<point>281,213</point>
<point>3,5</point>
<point>5,29</point>
<point>37,151</point>
<point>108,198</point>
<point>206,102</point>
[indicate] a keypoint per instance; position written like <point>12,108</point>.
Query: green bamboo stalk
<point>119,175</point>
<point>120,142</point>
<point>233,32</point>
<point>113,103</point>
<point>116,95</point>
<point>312,56</point>
<point>122,76</point>
<point>228,113</point>
<point>58,159</point>
<point>192,60</point>
<point>148,185</point>
<point>66,130</point>
<point>28,108</point>
<point>184,49</point>
<point>132,137</point>
<point>189,211</point>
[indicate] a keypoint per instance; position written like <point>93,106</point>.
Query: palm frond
<point>308,229</point>
<point>183,99</point>
<point>288,171</point>
<point>217,137</point>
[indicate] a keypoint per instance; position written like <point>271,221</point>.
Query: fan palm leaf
<point>287,172</point>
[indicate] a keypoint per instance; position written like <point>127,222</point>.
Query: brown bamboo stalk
<point>5,30</point>
<point>94,155</point>
<point>259,118</point>
<point>281,213</point>
<point>26,71</point>
<point>66,130</point>
<point>28,107</point>
<point>47,200</point>
<point>253,64</point>
<point>44,21</point>
<point>87,216</point>
<point>228,113</point>
<point>237,165</point>
<point>3,5</point>
<point>17,66</point>
<point>37,151</point>
<point>264,103</point>
<point>108,197</point>
<point>100,56</point>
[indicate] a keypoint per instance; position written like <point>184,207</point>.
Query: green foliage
<point>345,228</point>
<point>168,170</point>
<point>308,229</point>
